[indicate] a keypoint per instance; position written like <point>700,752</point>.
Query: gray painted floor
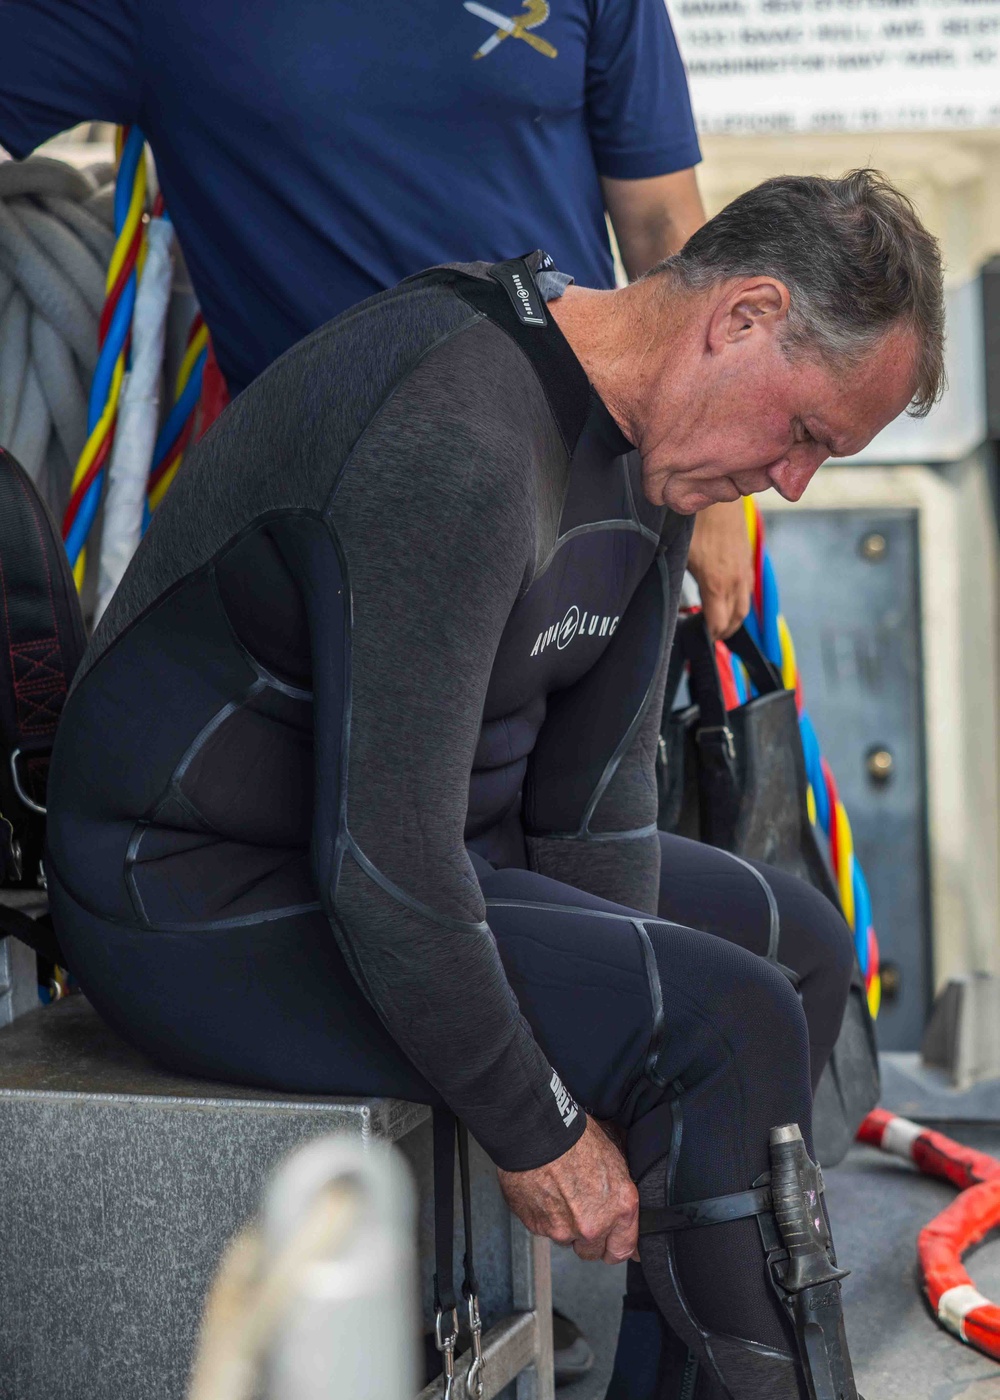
<point>877,1206</point>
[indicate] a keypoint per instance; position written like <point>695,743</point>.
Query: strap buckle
<point>728,742</point>
<point>445,1343</point>
<point>474,1381</point>
<point>11,862</point>
<point>445,1127</point>
<point>19,788</point>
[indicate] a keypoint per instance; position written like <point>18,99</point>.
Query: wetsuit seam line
<point>293,692</point>
<point>400,896</point>
<point>139,829</point>
<point>658,1028</point>
<point>676,1140</point>
<point>342,837</point>
<point>225,712</point>
<point>633,835</point>
<point>172,926</point>
<point>626,472</point>
<point>626,741</point>
<point>774,932</point>
<point>472,320</point>
<point>615,523</point>
<point>274,513</point>
<point>628,918</point>
<point>172,790</point>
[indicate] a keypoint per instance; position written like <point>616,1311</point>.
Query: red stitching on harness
<point>37,671</point>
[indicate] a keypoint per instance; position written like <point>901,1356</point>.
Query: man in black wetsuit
<point>354,789</point>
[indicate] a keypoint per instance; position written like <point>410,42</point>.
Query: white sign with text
<point>841,65</point>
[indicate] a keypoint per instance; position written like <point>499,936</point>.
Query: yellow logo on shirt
<point>516,27</point>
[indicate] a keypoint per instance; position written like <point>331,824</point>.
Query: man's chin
<point>688,501</point>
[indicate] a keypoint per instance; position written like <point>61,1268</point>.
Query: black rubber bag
<point>42,639</point>
<point>737,780</point>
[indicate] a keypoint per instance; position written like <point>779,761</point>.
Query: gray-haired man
<point>406,614</point>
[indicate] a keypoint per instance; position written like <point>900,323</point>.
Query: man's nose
<point>792,475</point>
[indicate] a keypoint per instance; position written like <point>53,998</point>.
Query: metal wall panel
<point>849,584</point>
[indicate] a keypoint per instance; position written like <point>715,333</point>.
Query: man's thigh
<point>620,1001</point>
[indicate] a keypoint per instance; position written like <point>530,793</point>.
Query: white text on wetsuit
<point>573,625</point>
<point>566,1105</point>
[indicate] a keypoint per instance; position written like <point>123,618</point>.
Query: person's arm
<point>721,561</point>
<point>590,798</point>
<point>652,218</point>
<point>434,522</point>
<point>645,147</point>
<point>63,62</point>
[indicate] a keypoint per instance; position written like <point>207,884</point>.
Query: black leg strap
<point>691,1215</point>
<point>445,1303</point>
<point>444,1210</point>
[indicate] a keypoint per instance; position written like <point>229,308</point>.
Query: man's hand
<point>722,563</point>
<point>585,1198</point>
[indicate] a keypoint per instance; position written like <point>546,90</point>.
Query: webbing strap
<point>445,1128</point>
<point>692,1215</point>
<point>444,1210</point>
<point>470,1284</point>
<point>41,630</point>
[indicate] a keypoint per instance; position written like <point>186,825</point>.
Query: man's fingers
<point>623,1239</point>
<point>589,1249</point>
<point>718,613</point>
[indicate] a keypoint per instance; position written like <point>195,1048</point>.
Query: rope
<point>975,1213</point>
<point>177,431</point>
<point>55,245</point>
<point>251,1296</point>
<point>121,283</point>
<point>769,629</point>
<point>124,274</point>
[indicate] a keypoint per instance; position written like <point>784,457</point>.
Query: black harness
<point>42,640</point>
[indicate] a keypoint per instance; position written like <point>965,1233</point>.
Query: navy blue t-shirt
<point>313,152</point>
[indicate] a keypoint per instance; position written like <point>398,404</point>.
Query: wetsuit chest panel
<point>561,626</point>
<point>566,619</point>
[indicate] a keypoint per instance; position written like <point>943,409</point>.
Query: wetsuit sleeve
<point>638,109</point>
<point>590,800</point>
<point>435,520</point>
<point>65,61</point>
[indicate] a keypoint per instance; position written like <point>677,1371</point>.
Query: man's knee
<point>815,939</point>
<point>833,943</point>
<point>768,1009</point>
<point>752,1007</point>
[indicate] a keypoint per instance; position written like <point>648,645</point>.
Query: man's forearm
<point>653,218</point>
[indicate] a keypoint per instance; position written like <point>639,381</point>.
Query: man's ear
<point>757,304</point>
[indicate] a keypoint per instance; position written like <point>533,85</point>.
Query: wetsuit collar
<point>551,283</point>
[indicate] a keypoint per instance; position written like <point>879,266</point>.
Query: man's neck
<point>620,338</point>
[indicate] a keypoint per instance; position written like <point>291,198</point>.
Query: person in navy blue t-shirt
<point>316,152</point>
<point>313,153</point>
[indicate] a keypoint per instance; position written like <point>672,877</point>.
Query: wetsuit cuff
<point>539,1131</point>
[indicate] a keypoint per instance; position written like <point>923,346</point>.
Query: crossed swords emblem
<point>518,27</point>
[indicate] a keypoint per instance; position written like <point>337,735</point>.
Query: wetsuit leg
<point>729,1060</point>
<point>707,888</point>
<point>694,1046</point>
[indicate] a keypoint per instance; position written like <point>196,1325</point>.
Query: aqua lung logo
<point>524,296</point>
<point>564,1102</point>
<point>519,285</point>
<point>575,624</point>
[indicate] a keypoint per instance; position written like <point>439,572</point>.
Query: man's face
<point>755,418</point>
